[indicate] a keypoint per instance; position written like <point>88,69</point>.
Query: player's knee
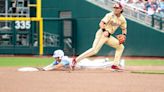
<point>95,51</point>
<point>120,47</point>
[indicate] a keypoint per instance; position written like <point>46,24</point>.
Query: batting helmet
<point>58,53</point>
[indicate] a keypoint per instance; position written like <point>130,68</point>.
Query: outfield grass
<point>41,61</point>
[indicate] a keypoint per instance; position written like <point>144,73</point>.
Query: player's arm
<point>105,20</point>
<point>58,66</point>
<point>124,31</point>
<point>122,37</point>
<point>124,27</point>
<point>62,64</point>
<point>52,66</point>
<point>102,24</point>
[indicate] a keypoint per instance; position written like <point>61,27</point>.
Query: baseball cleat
<point>116,68</point>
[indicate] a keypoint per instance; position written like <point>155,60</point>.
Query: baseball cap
<point>58,53</point>
<point>117,5</point>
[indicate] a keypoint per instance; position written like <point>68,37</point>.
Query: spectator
<point>154,5</point>
<point>161,7</point>
<point>140,4</point>
<point>151,6</point>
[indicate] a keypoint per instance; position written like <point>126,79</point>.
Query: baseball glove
<point>121,38</point>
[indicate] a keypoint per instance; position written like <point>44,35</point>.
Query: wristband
<point>103,30</point>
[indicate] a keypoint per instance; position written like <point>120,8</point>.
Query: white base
<point>27,69</point>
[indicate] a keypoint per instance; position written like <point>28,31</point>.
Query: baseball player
<point>60,61</point>
<point>108,26</point>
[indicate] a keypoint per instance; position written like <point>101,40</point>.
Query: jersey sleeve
<point>107,18</point>
<point>123,24</point>
<point>65,61</point>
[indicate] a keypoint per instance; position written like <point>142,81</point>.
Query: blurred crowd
<point>149,6</point>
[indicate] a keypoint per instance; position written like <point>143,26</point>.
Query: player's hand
<point>106,33</point>
<point>102,25</point>
<point>121,38</point>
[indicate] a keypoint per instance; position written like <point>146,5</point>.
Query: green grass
<point>24,61</point>
<point>145,62</point>
<point>149,72</point>
<point>41,61</point>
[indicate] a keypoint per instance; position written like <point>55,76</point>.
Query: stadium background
<point>71,25</point>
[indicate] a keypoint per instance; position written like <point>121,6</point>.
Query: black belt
<point>107,31</point>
